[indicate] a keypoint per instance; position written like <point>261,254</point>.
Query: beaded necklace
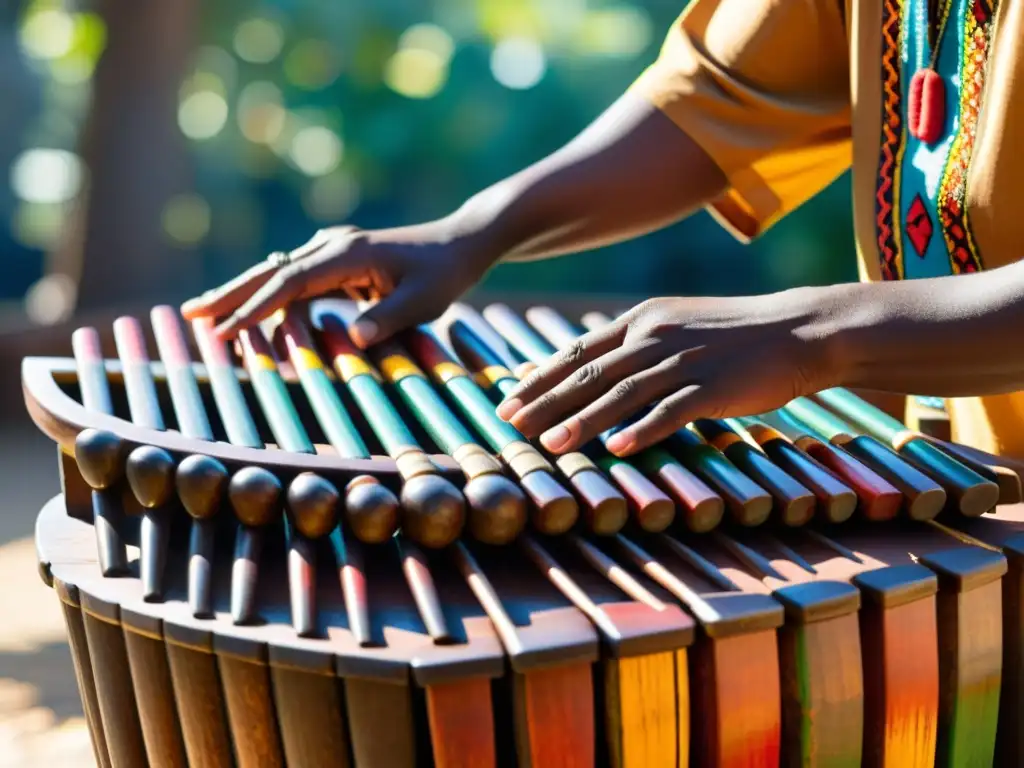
<point>926,110</point>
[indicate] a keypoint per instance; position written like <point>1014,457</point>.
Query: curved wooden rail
<point>62,418</point>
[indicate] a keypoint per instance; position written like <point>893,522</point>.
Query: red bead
<point>926,112</point>
<point>914,102</point>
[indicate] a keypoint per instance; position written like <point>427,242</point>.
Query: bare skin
<point>692,357</point>
<point>669,360</point>
<point>722,357</point>
<point>631,172</point>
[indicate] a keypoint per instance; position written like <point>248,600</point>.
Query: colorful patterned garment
<point>922,186</point>
<point>923,223</point>
<point>786,95</point>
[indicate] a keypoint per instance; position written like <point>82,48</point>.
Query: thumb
<point>406,306</point>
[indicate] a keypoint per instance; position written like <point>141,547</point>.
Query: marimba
<point>293,553</point>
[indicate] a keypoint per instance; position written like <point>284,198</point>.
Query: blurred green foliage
<point>304,113</point>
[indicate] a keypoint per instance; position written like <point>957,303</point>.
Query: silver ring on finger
<point>279,259</point>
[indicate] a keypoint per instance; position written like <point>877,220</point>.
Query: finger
<point>274,294</point>
<point>524,369</point>
<point>584,385</point>
<point>668,416</point>
<point>408,305</point>
<point>225,299</point>
<point>317,241</point>
<point>627,398</point>
<point>323,270</point>
<point>586,348</point>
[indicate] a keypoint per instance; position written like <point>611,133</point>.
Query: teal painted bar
<point>337,425</point>
<point>819,419</point>
<point>686,437</point>
<point>235,416</point>
<point>519,334</point>
<point>709,462</point>
<point>142,399</point>
<point>477,407</point>
<point>281,414</point>
<point>938,464</point>
<point>505,385</point>
<point>433,413</point>
<point>862,415</point>
<point>788,424</point>
<point>94,387</point>
<point>190,412</point>
<point>553,326</point>
<point>381,414</point>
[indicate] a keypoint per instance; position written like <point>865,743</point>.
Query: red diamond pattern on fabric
<point>919,226</point>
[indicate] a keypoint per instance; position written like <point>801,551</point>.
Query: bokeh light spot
<point>518,63</point>
<point>186,219</point>
<point>90,35</point>
<point>258,40</point>
<point>261,118</point>
<point>500,19</point>
<point>202,115</point>
<point>219,63</point>
<point>259,92</point>
<point>428,37</point>
<point>46,175</point>
<point>416,73</point>
<point>311,65</point>
<point>332,198</point>
<point>202,80</point>
<point>620,32</point>
<point>47,34</point>
<point>51,299</point>
<point>262,123</point>
<point>73,69</point>
<point>38,225</point>
<point>316,150</point>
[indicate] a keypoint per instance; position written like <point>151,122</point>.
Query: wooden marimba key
<point>295,553</point>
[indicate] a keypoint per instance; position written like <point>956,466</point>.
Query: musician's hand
<point>418,271</point>
<point>688,358</point>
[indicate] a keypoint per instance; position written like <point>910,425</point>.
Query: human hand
<point>417,272</point>
<point>688,358</point>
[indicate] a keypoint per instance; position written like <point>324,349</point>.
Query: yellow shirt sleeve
<point>763,86</point>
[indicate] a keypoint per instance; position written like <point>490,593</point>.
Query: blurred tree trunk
<point>113,246</point>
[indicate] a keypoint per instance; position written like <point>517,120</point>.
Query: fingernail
<point>363,332</point>
<point>196,303</point>
<point>524,369</point>
<point>509,408</point>
<point>620,442</point>
<point>556,437</point>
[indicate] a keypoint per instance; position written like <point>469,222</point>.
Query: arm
<point>670,361</point>
<point>746,109</point>
<point>948,336</point>
<point>631,172</point>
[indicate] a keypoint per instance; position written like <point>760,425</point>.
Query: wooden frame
<point>739,647</point>
<point>61,418</point>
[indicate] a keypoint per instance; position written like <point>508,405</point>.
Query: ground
<point>41,720</point>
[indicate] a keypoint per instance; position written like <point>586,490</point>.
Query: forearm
<point>951,336</point>
<point>631,172</point>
